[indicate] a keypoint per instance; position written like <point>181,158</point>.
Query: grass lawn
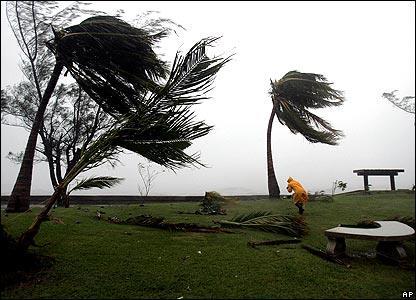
<point>96,259</point>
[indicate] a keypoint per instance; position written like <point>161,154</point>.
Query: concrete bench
<point>390,236</point>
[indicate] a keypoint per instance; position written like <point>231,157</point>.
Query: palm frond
<point>294,93</point>
<point>249,216</point>
<point>162,137</point>
<point>308,90</point>
<point>100,182</point>
<point>191,76</point>
<point>159,222</point>
<point>281,224</point>
<point>313,128</point>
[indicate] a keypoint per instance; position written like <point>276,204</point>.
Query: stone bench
<point>390,236</point>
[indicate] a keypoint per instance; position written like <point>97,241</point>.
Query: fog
<point>364,48</point>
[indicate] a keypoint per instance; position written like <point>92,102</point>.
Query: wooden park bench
<point>390,236</point>
<point>378,172</point>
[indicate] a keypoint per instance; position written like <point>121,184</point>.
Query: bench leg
<point>336,246</point>
<point>391,251</point>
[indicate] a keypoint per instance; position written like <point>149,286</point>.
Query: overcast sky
<point>364,48</point>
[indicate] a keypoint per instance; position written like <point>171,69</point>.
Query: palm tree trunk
<point>27,237</point>
<point>274,191</point>
<point>19,198</point>
<point>65,197</point>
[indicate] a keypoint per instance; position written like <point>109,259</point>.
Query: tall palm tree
<point>112,61</point>
<point>292,97</point>
<point>160,127</point>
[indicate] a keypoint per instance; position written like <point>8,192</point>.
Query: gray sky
<point>364,48</point>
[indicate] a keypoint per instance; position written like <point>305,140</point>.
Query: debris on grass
<point>326,256</point>
<point>114,220</point>
<point>365,224</point>
<point>272,242</point>
<point>159,222</point>
<point>320,196</point>
<point>57,221</point>
<point>284,224</point>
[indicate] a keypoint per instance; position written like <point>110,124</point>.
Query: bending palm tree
<point>160,128</point>
<point>292,96</point>
<point>113,61</point>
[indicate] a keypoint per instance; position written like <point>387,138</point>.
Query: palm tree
<point>112,61</point>
<point>292,96</point>
<point>159,127</point>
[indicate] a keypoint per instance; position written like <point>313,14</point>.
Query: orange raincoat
<point>300,194</point>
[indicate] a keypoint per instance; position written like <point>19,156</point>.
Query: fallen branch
<point>325,255</point>
<point>272,242</point>
<point>158,222</point>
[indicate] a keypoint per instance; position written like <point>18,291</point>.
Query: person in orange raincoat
<point>300,196</point>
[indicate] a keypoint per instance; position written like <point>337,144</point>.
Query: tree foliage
<point>31,23</point>
<point>406,103</point>
<point>294,94</point>
<point>71,122</point>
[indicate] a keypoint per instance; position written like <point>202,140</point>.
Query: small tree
<point>147,174</point>
<point>31,22</point>
<point>71,122</point>
<point>338,184</point>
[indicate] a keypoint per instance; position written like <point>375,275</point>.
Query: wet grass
<point>97,259</point>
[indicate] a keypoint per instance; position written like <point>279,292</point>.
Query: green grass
<point>96,259</point>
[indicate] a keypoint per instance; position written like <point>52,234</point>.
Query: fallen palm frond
<point>326,256</point>
<point>272,242</point>
<point>283,224</point>
<point>159,222</point>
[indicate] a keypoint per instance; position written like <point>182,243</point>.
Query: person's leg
<point>299,205</point>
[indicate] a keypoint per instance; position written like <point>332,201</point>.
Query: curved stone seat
<point>390,236</point>
<point>388,231</point>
